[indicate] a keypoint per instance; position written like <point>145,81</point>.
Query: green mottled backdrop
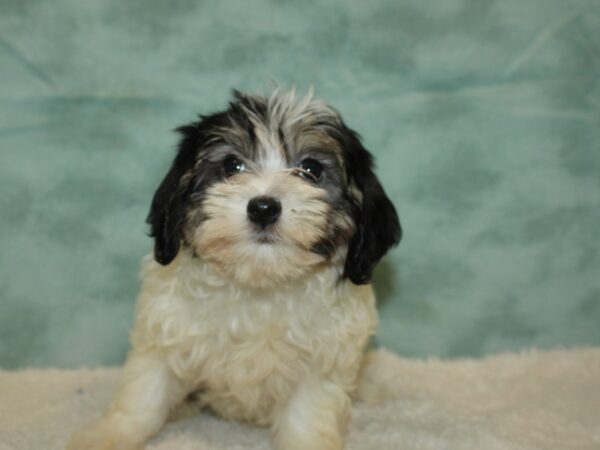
<point>484,117</point>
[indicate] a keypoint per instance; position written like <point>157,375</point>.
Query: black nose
<point>263,210</point>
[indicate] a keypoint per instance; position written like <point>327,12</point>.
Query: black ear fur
<point>167,211</point>
<point>377,225</point>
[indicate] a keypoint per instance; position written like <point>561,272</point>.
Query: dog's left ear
<point>377,225</point>
<point>167,211</point>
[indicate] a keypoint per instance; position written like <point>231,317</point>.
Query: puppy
<point>257,299</point>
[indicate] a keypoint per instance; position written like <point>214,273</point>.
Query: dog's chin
<point>263,262</point>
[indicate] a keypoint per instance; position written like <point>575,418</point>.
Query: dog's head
<point>271,189</point>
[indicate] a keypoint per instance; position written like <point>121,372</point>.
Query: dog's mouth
<point>265,238</point>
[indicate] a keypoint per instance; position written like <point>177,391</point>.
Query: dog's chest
<point>246,340</point>
<point>247,351</point>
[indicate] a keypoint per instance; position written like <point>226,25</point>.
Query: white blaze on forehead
<point>272,160</point>
<point>289,115</point>
<point>292,113</point>
<point>271,153</point>
<point>290,118</point>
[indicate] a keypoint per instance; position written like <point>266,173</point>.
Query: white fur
<point>268,333</point>
<point>288,358</point>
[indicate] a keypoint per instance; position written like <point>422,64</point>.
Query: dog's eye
<point>233,165</point>
<point>311,169</point>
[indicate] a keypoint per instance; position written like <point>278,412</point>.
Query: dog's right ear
<point>167,212</point>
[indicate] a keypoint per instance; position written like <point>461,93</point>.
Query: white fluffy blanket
<point>534,400</point>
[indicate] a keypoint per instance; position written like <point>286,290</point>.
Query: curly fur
<point>261,324</point>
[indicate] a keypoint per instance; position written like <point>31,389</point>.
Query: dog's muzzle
<point>263,211</point>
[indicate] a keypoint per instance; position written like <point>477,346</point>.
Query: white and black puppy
<point>257,299</point>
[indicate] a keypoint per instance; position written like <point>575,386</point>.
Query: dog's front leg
<point>148,390</point>
<point>315,417</point>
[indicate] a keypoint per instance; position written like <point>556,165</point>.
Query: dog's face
<point>271,189</point>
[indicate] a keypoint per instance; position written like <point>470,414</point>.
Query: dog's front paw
<point>102,435</point>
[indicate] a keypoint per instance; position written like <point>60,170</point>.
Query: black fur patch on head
<point>377,225</point>
<point>172,198</point>
<point>167,210</point>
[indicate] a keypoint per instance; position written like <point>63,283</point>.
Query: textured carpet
<point>534,400</point>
